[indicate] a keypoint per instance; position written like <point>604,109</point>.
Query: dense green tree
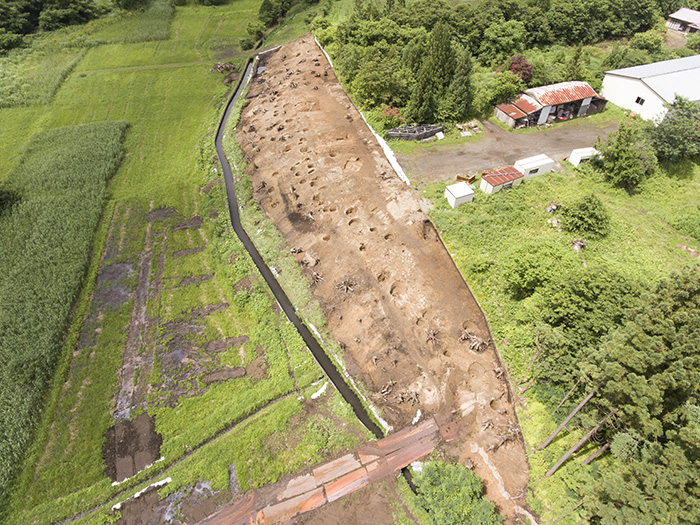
<point>586,215</point>
<point>380,79</point>
<point>502,88</point>
<point>650,369</point>
<point>651,41</point>
<point>693,42</point>
<point>436,72</point>
<point>502,39</point>
<point>626,157</point>
<point>460,92</point>
<point>575,67</point>
<point>61,13</point>
<point>577,307</point>
<point>453,494</point>
<point>677,136</point>
<point>651,366</point>
<point>131,5</point>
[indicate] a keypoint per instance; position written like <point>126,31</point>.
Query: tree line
<point>432,61</point>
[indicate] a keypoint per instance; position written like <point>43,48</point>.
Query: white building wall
<point>623,92</point>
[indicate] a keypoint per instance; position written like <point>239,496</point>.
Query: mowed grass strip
<point>58,190</point>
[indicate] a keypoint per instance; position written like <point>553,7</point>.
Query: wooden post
<point>567,395</point>
<point>596,454</point>
<point>578,445</point>
<point>568,418</point>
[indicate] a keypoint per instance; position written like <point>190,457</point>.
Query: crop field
<point>648,231</point>
<point>174,338</point>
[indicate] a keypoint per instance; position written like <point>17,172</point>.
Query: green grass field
<point>152,71</point>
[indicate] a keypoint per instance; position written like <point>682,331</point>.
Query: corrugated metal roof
<point>562,92</point>
<point>684,83</point>
<point>656,69</point>
<point>524,105</point>
<point>687,15</point>
<point>502,175</point>
<point>527,104</point>
<point>680,76</point>
<point>511,111</point>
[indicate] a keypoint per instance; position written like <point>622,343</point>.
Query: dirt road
<point>502,148</point>
<point>390,291</point>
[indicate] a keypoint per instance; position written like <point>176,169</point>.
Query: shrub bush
<point>587,215</point>
<point>453,494</point>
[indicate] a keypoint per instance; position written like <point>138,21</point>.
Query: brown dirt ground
<point>501,148</point>
<point>130,446</point>
<point>319,174</point>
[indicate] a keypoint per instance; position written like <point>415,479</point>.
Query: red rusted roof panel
<point>400,458</point>
<point>288,509</point>
<point>502,175</point>
<point>527,104</point>
<point>511,111</point>
<point>240,511</point>
<point>351,482</point>
<point>335,469</point>
<point>297,486</point>
<point>398,439</point>
<point>562,92</point>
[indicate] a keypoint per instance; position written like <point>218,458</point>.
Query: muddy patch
<point>244,284</point>
<point>196,279</point>
<point>258,368</point>
<point>223,375</point>
<point>195,222</point>
<point>131,446</point>
<point>161,214</point>
<point>221,345</point>
<point>191,251</point>
<point>147,509</point>
<point>209,309</point>
<point>112,288</point>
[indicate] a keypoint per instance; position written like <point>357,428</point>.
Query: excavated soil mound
<point>390,291</point>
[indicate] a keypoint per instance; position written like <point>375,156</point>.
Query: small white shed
<point>533,166</point>
<point>459,193</point>
<point>582,155</point>
<point>500,179</point>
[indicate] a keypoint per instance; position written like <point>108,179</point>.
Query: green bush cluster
<point>587,216</point>
<point>451,493</point>
<point>46,235</point>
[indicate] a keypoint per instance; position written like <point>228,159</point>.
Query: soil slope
<point>390,291</point>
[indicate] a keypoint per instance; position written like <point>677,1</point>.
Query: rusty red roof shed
<point>511,110</point>
<point>562,92</point>
<point>502,175</point>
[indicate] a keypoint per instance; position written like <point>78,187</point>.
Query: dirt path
<point>390,291</point>
<point>502,148</point>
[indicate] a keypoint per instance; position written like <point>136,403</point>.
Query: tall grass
<point>33,75</point>
<point>46,237</point>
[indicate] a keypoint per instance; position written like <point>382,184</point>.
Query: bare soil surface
<point>131,446</point>
<point>502,148</point>
<point>390,292</point>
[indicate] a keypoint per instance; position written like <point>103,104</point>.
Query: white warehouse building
<point>645,89</point>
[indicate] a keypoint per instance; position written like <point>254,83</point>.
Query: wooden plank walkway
<point>333,480</point>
